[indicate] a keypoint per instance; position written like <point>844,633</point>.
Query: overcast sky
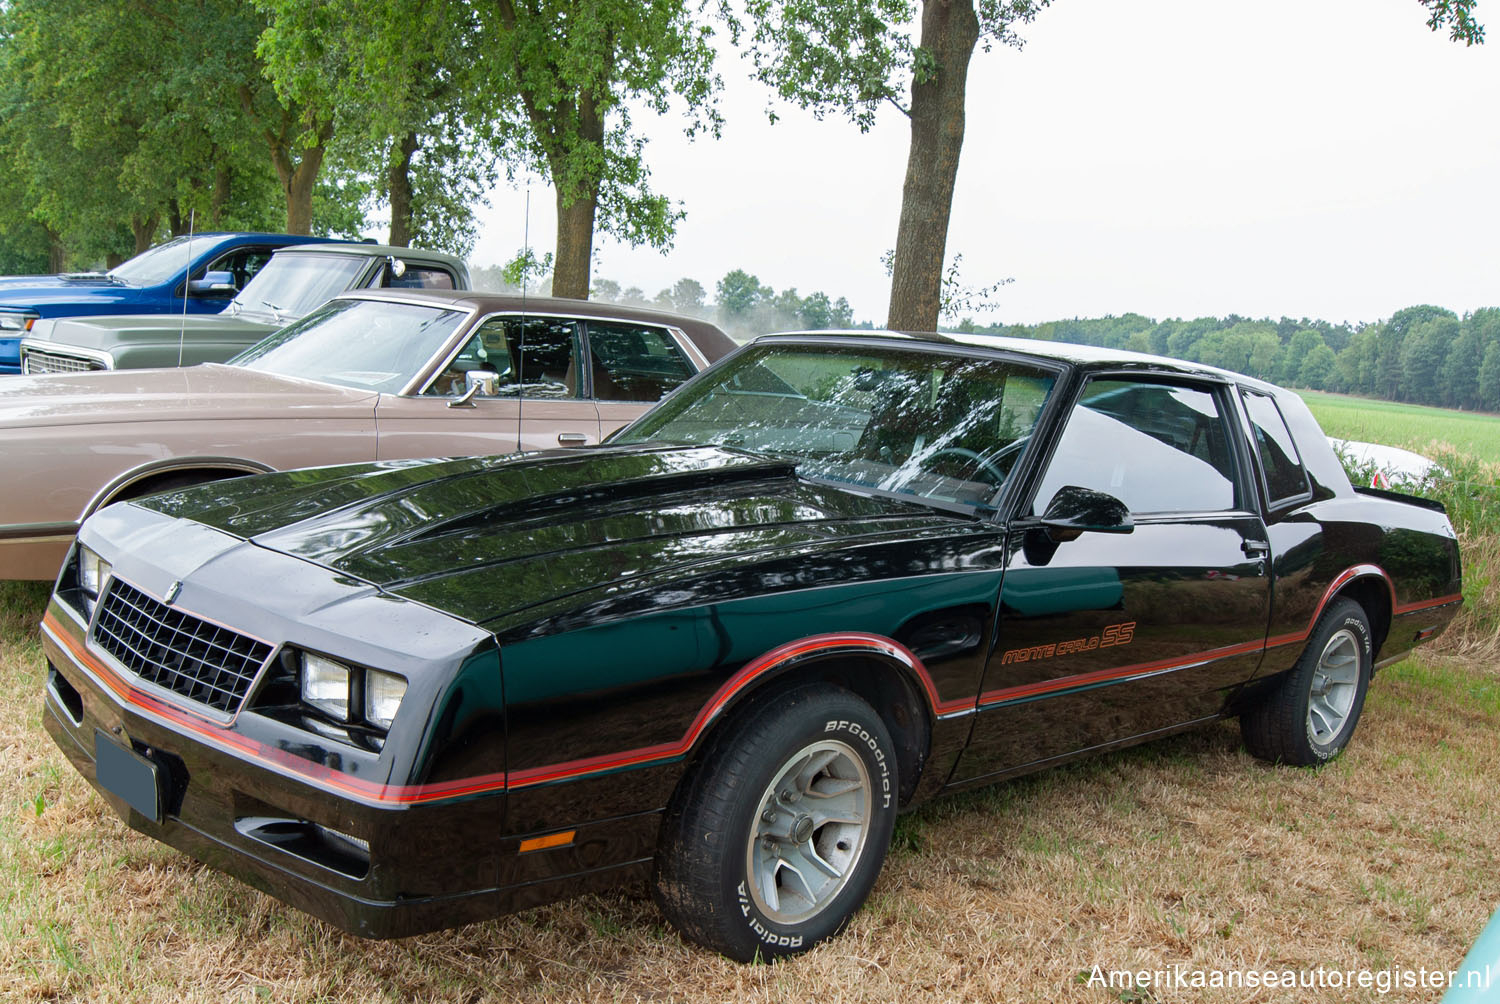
<point>1319,158</point>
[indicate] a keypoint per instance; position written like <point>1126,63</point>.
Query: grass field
<point>1412,426</point>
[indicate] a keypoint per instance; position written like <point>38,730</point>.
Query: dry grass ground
<point>1184,851</point>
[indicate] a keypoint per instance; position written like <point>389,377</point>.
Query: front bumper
<point>365,860</point>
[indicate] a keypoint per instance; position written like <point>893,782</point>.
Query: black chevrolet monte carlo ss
<point>831,577</point>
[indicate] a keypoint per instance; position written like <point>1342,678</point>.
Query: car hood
<point>501,541</point>
<point>21,292</point>
<point>120,329</point>
<point>198,392</point>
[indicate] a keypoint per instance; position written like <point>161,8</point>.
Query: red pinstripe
<point>380,793</point>
<point>1198,658</point>
<point>389,794</point>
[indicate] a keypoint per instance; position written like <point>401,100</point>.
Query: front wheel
<point>774,839</point>
<point>1311,715</point>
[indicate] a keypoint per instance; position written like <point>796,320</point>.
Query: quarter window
<point>1159,448</point>
<point>1285,478</point>
<point>635,363</point>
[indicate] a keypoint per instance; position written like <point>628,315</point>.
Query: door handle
<point>1255,548</point>
<point>571,439</point>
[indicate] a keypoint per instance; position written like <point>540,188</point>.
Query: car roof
<point>375,251</point>
<point>1089,357</point>
<point>710,340</point>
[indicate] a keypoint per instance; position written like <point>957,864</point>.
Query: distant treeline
<point>1425,355</point>
<point>744,306</point>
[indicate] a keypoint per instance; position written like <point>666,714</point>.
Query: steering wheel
<point>982,464</point>
<point>996,466</point>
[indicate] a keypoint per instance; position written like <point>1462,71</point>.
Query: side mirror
<point>485,383</point>
<point>396,265</point>
<point>212,284</point>
<point>477,382</point>
<point>1074,510</point>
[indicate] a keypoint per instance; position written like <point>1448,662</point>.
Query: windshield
<point>935,426</point>
<point>292,284</point>
<point>369,344</point>
<point>163,262</point>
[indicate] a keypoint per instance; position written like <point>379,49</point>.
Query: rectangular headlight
<point>92,571</point>
<point>383,693</point>
<point>15,322</point>
<point>325,685</point>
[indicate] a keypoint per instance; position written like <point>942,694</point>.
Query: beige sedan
<point>376,375</point>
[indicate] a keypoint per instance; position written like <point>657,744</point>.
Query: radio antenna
<point>187,282</point>
<point>525,275</point>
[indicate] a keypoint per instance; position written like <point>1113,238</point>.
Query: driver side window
<point>1159,448</point>
<point>537,359</point>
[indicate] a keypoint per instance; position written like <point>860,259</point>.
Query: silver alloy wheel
<point>810,828</point>
<point>1335,684</point>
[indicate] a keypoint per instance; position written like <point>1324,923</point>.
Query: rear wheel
<point>1311,715</point>
<point>775,838</point>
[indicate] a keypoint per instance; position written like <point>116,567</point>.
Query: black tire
<point>1311,714</point>
<point>757,803</point>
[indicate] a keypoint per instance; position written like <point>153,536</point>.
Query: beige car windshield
<point>369,344</point>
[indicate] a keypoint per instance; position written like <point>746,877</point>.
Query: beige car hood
<point>210,392</point>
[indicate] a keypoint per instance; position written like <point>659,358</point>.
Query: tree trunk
<point>575,213</point>
<point>575,246</point>
<point>398,188</point>
<point>299,191</point>
<point>175,218</point>
<point>950,30</point>
<point>298,180</point>
<point>219,199</point>
<point>56,253</point>
<point>143,230</point>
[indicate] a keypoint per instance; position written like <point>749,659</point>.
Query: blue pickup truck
<point>153,282</point>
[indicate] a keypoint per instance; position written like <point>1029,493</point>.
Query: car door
<point>1106,637</point>
<point>532,395</point>
<point>241,263</point>
<point>632,366</point>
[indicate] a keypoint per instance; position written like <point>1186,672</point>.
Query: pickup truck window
<point>242,263</point>
<point>160,263</point>
<point>1159,448</point>
<point>418,277</point>
<point>1285,478</point>
<point>292,284</point>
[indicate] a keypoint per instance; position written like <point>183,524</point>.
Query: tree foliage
<point>565,77</point>
<point>1422,354</point>
<point>1458,17</point>
<point>126,122</point>
<point>411,112</point>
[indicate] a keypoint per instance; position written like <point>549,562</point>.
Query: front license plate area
<point>127,774</point>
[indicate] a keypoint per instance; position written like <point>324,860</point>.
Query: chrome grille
<point>187,655</point>
<point>52,362</point>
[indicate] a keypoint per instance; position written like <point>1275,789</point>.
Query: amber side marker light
<point>549,841</point>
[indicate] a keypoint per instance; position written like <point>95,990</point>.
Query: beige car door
<point>526,392</point>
